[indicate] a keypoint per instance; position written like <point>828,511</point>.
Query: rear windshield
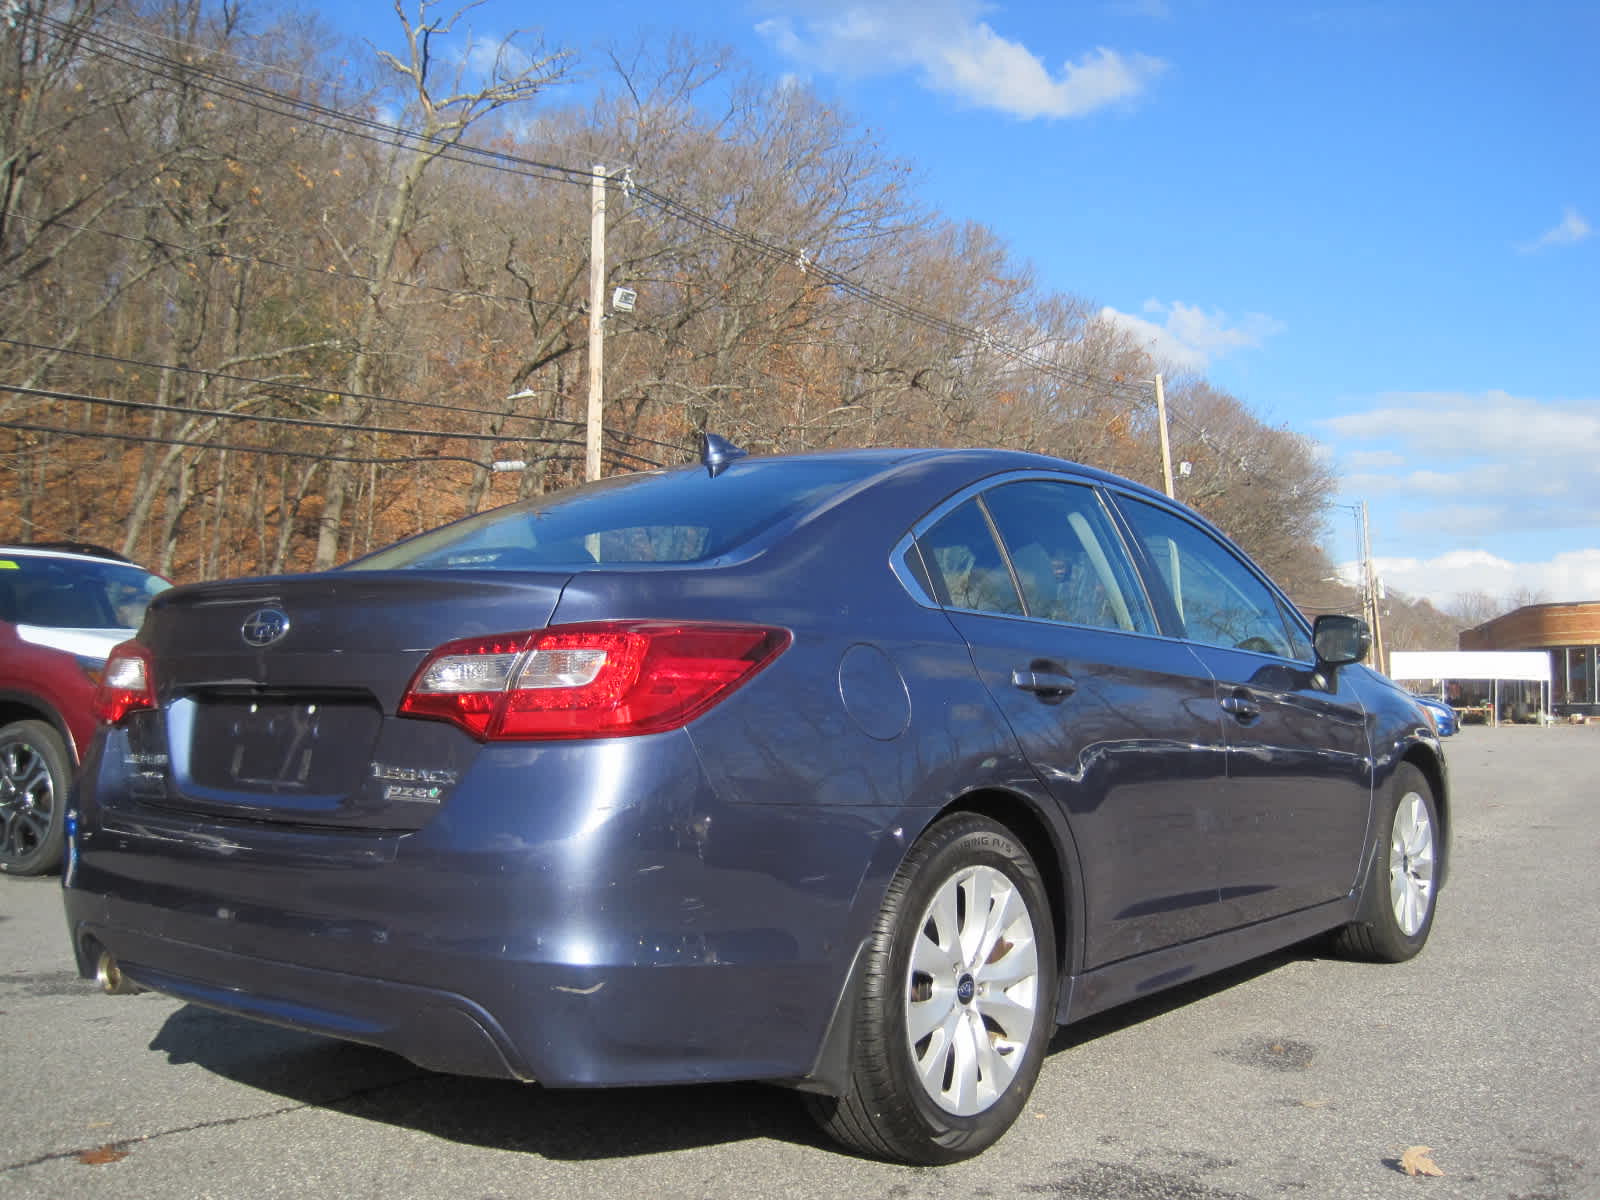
<point>74,593</point>
<point>681,516</point>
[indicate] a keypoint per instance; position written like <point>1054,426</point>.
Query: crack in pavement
<point>220,1123</point>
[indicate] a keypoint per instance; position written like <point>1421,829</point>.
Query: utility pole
<point>1166,446</point>
<point>1371,578</point>
<point>597,317</point>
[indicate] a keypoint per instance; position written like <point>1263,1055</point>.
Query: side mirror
<point>1340,640</point>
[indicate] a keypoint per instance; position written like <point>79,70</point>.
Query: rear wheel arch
<point>16,707</point>
<point>1053,854</point>
<point>1054,861</point>
<point>956,999</point>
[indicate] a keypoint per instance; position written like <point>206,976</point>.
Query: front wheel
<point>35,773</point>
<point>1397,907</point>
<point>958,1000</point>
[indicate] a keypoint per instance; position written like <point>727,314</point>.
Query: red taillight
<point>126,684</point>
<point>608,679</point>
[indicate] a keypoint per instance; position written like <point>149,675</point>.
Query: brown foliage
<point>256,339</point>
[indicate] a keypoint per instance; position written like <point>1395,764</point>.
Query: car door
<point>1119,723</point>
<point>1298,800</point>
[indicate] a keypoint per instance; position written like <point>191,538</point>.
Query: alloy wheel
<point>972,990</point>
<point>1411,863</point>
<point>27,799</point>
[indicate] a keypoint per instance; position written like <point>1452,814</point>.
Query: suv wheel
<point>35,773</point>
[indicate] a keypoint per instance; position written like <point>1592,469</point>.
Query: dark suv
<point>61,612</point>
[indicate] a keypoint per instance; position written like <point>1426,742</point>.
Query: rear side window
<point>965,562</point>
<point>1221,600</point>
<point>682,516</point>
<point>1068,557</point>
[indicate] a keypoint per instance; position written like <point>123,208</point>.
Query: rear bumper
<point>559,1025</point>
<point>434,1028</point>
<point>669,939</point>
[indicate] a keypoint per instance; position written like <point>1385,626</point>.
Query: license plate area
<point>283,745</point>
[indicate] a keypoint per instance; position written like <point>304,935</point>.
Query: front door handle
<point>1241,706</point>
<point>1043,683</point>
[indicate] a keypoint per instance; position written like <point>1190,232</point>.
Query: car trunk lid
<point>277,698</point>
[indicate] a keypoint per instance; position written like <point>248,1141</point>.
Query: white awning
<point>1533,665</point>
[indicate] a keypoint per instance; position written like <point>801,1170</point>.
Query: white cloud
<point>1572,576</point>
<point>496,57</point>
<point>780,32</point>
<point>956,53</point>
<point>1189,337</point>
<point>1470,426</point>
<point>1481,479</point>
<point>1569,231</point>
<point>1479,486</point>
<point>1362,461</point>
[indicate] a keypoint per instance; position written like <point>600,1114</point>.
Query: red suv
<point>61,612</point>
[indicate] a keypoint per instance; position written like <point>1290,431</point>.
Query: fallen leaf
<point>1315,1103</point>
<point>1415,1161</point>
<point>98,1157</point>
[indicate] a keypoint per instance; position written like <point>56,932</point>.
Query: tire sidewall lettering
<point>990,848</point>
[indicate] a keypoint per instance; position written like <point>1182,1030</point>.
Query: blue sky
<point>1373,222</point>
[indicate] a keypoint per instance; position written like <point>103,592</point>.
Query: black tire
<point>1402,889</point>
<point>995,1004</point>
<point>35,773</point>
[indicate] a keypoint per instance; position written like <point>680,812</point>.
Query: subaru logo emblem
<point>264,626</point>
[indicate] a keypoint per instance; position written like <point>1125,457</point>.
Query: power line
<point>881,300</point>
<point>268,100</point>
<point>334,120</point>
<point>273,451</point>
<point>280,452</point>
<point>313,389</point>
<point>264,99</point>
<point>297,422</point>
<point>148,240</point>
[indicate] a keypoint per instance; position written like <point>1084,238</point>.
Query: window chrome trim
<point>1176,508</point>
<point>1114,521</point>
<point>907,577</point>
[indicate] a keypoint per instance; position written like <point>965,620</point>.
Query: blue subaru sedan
<point>853,772</point>
<point>1440,712</point>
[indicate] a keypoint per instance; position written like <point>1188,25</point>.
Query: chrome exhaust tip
<point>111,979</point>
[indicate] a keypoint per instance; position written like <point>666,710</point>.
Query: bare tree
<point>319,333</point>
<point>447,111</point>
<point>1473,608</point>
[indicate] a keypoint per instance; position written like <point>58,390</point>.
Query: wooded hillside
<point>266,301</point>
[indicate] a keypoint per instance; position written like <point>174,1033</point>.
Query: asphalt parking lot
<point>1299,1075</point>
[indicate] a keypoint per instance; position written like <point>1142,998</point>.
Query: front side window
<point>1299,640</point>
<point>1221,600</point>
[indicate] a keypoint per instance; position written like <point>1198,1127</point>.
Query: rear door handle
<point>1046,684</point>
<point>1241,706</point>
